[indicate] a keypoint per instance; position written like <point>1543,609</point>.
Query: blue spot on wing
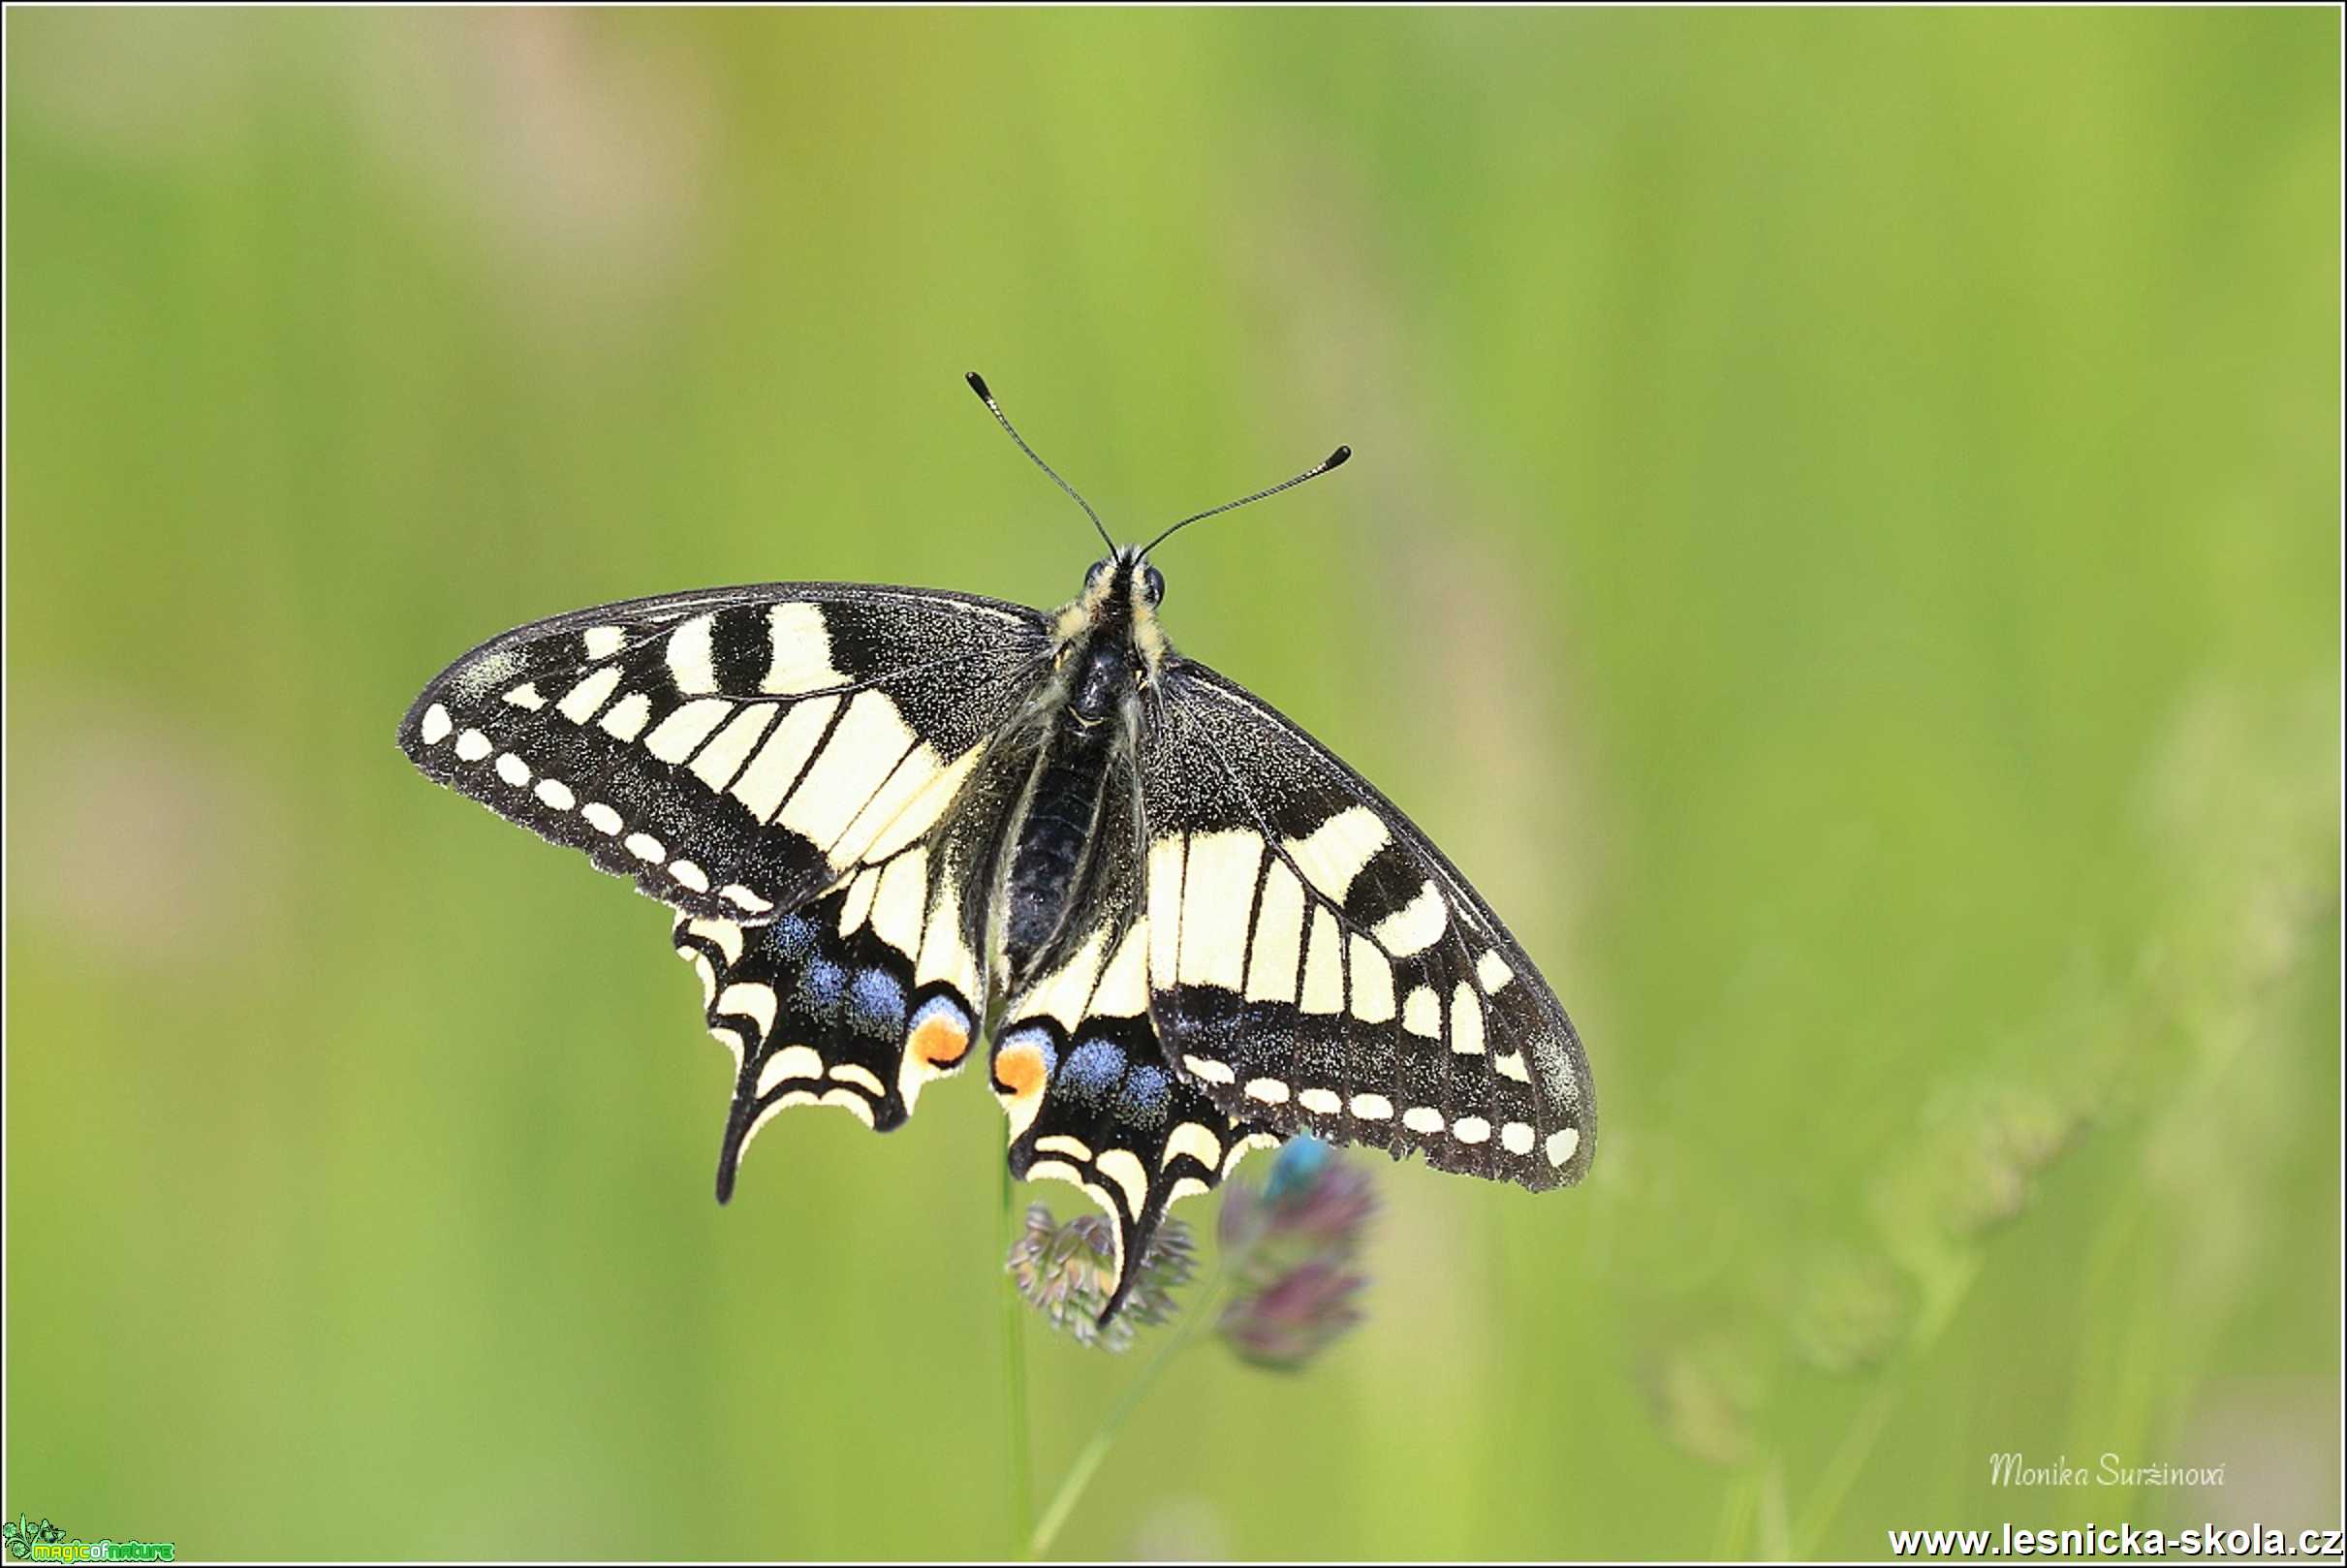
<point>876,1004</point>
<point>791,938</point>
<point>1092,1070</point>
<point>1142,1098</point>
<point>821,989</point>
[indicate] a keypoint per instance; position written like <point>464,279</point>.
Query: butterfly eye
<point>1153,584</point>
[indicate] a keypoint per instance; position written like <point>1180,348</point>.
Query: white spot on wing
<point>799,651</point>
<point>514,770</point>
<point>862,1077</point>
<point>1467,1022</point>
<point>785,1064</point>
<point>1206,1070</point>
<point>1372,1107</point>
<point>1494,971</point>
<point>1245,1146</point>
<point>473,745</point>
<point>602,642</point>
<point>644,847</point>
<point>1422,1118</point>
<point>1415,926</point>
<point>436,725</point>
<point>586,700</point>
<point>1562,1143</point>
<point>1269,1090</point>
<point>1320,1102</point>
<point>602,817</point>
<point>1471,1129</point>
<point>556,794</point>
<point>1516,1138</point>
<point>1332,854</point>
<point>628,715</point>
<point>691,662</point>
<point>1196,1141</point>
<point>1423,1014</point>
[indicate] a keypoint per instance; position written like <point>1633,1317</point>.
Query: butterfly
<point>893,821</point>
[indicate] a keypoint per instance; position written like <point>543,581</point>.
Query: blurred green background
<point>1843,548</point>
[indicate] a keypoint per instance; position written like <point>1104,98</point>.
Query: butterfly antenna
<point>977,385</point>
<point>1335,459</point>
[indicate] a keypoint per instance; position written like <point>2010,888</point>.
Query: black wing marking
<point>735,751</point>
<point>1078,1070</point>
<point>1315,962</point>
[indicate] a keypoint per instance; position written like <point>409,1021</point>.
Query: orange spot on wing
<point>1020,1072</point>
<point>941,1041</point>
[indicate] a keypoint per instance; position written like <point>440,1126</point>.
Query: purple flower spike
<point>1299,1315</point>
<point>1289,1247</point>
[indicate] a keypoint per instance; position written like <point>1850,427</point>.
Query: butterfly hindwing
<point>1099,1107</point>
<point>855,998</point>
<point>1318,966</point>
<point>738,751</point>
<point>1079,1069</point>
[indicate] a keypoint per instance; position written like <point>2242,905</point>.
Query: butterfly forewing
<point>735,752</point>
<point>1317,964</point>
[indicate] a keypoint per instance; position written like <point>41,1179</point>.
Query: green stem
<point>1080,1474</point>
<point>1015,1378</point>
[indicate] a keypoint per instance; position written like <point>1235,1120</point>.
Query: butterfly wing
<point>736,751</point>
<point>1079,1071</point>
<point>1316,964</point>
<point>863,994</point>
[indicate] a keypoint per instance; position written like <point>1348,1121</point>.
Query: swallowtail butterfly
<point>894,821</point>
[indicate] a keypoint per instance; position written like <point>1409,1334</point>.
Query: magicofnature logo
<point>28,1540</point>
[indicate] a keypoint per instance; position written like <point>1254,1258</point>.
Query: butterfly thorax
<point>1081,787</point>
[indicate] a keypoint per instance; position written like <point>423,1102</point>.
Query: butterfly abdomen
<point>1055,838</point>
